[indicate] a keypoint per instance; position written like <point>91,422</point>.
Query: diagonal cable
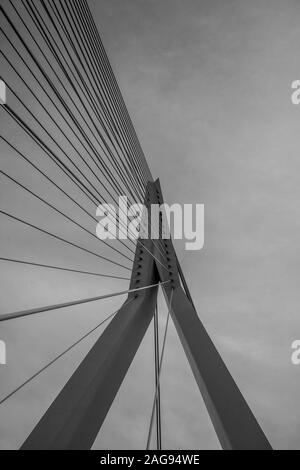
<point>159,375</point>
<point>60,268</point>
<point>34,311</point>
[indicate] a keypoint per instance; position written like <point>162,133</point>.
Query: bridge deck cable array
<point>69,145</point>
<point>64,98</point>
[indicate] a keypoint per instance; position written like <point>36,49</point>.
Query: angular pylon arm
<point>233,420</point>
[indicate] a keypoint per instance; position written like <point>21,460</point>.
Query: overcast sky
<point>208,86</point>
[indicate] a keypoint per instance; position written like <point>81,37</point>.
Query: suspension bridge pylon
<point>74,419</point>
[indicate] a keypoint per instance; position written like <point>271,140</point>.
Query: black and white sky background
<point>208,86</point>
